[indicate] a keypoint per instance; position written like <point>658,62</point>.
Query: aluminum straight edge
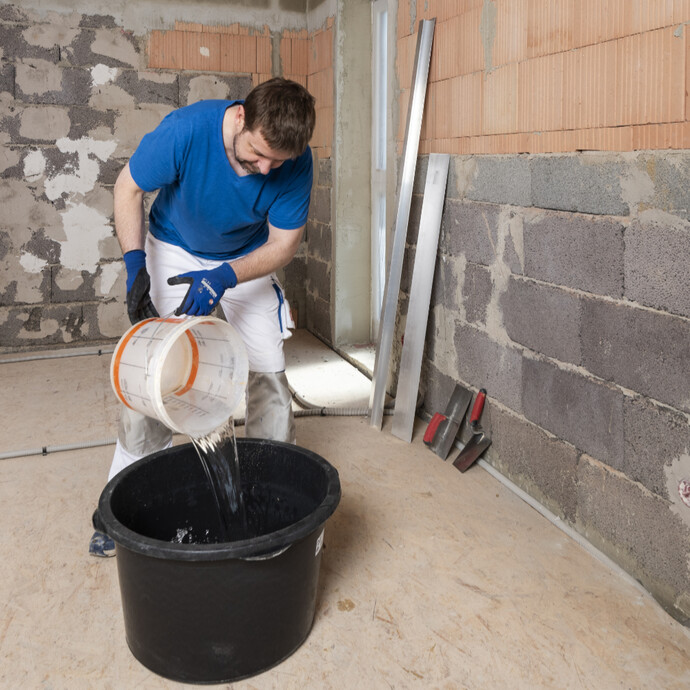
<point>420,296</point>
<point>425,36</point>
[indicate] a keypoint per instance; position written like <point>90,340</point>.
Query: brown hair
<point>283,112</point>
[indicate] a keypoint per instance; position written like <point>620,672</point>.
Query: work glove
<point>205,289</point>
<point>139,304</point>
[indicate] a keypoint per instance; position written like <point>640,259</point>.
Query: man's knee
<point>269,407</point>
<point>140,435</point>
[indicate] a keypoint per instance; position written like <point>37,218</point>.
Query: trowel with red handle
<point>443,428</point>
<point>479,441</point>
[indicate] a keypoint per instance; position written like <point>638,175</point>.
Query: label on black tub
<point>319,544</point>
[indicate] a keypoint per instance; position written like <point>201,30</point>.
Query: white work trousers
<point>259,312</point>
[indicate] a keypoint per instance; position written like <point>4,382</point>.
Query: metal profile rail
<point>420,296</point>
<point>425,36</point>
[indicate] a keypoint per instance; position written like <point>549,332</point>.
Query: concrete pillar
<point>351,177</point>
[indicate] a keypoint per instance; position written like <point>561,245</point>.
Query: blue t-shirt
<point>203,205</point>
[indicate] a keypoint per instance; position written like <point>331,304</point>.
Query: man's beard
<point>245,165</point>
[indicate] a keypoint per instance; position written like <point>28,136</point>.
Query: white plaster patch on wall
<point>157,77</point>
<point>500,275</point>
<point>68,279</point>
<point>115,45</point>
<point>102,74</point>
<point>459,267</point>
<point>636,187</point>
<point>655,216</point>
<point>111,319</point>
<point>677,471</point>
<point>130,123</point>
<point>84,178</point>
<point>37,76</point>
<point>109,275</point>
<point>465,173</point>
<point>84,228</point>
<point>34,166</point>
<point>516,229</point>
<point>47,35</point>
<point>206,86</point>
<point>111,97</point>
<point>445,354</point>
<point>44,123</point>
<point>31,263</point>
<point>205,52</point>
<point>28,284</point>
<point>48,327</point>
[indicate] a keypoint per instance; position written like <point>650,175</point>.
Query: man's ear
<point>239,118</point>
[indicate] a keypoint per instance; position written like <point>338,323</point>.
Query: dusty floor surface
<point>430,578</point>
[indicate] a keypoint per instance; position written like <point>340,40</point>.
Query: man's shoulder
<point>211,105</point>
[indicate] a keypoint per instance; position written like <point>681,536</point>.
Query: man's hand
<point>139,304</point>
<point>205,289</point>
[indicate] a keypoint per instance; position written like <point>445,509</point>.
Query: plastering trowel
<point>443,428</point>
<point>479,441</point>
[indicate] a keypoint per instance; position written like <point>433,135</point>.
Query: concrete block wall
<point>308,56</point>
<point>568,301</point>
<point>561,281</point>
<point>77,93</point>
<point>75,97</point>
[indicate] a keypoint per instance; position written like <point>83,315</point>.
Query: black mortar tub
<point>219,612</point>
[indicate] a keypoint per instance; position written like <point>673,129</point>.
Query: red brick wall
<point>539,76</point>
<point>305,57</point>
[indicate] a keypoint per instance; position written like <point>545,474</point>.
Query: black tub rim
<point>257,548</point>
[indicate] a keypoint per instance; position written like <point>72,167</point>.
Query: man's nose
<point>264,165</point>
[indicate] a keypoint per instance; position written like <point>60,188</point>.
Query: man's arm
<point>129,212</point>
<point>130,230</point>
<point>277,252</point>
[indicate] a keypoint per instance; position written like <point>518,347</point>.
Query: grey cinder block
<point>655,437</point>
<point>543,318</point>
<point>638,531</point>
<point>469,228</point>
<point>319,278</point>
<point>657,262</point>
<point>639,349</point>
<point>320,208</point>
<point>52,86</point>
<point>147,90</point>
<point>319,317</point>
<point>484,363</point>
<point>502,180</point>
<point>544,466</point>
<point>670,173</point>
<point>84,120</point>
<point>477,291</point>
<point>582,411</point>
<point>575,251</point>
<point>587,184</point>
<point>7,78</point>
<point>325,178</point>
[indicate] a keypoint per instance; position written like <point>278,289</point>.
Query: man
<point>234,181</point>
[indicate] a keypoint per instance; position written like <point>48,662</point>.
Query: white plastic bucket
<point>190,373</point>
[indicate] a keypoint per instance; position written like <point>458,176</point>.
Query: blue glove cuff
<point>135,260</point>
<point>227,275</point>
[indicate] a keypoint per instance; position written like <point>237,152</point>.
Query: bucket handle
<point>267,556</point>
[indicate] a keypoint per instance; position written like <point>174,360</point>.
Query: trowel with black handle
<point>479,441</point>
<point>443,428</point>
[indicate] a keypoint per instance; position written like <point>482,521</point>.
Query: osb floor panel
<point>429,579</point>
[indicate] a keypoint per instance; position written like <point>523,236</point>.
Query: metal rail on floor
<point>425,38</point>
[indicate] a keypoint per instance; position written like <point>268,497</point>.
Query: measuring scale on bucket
<point>190,373</point>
